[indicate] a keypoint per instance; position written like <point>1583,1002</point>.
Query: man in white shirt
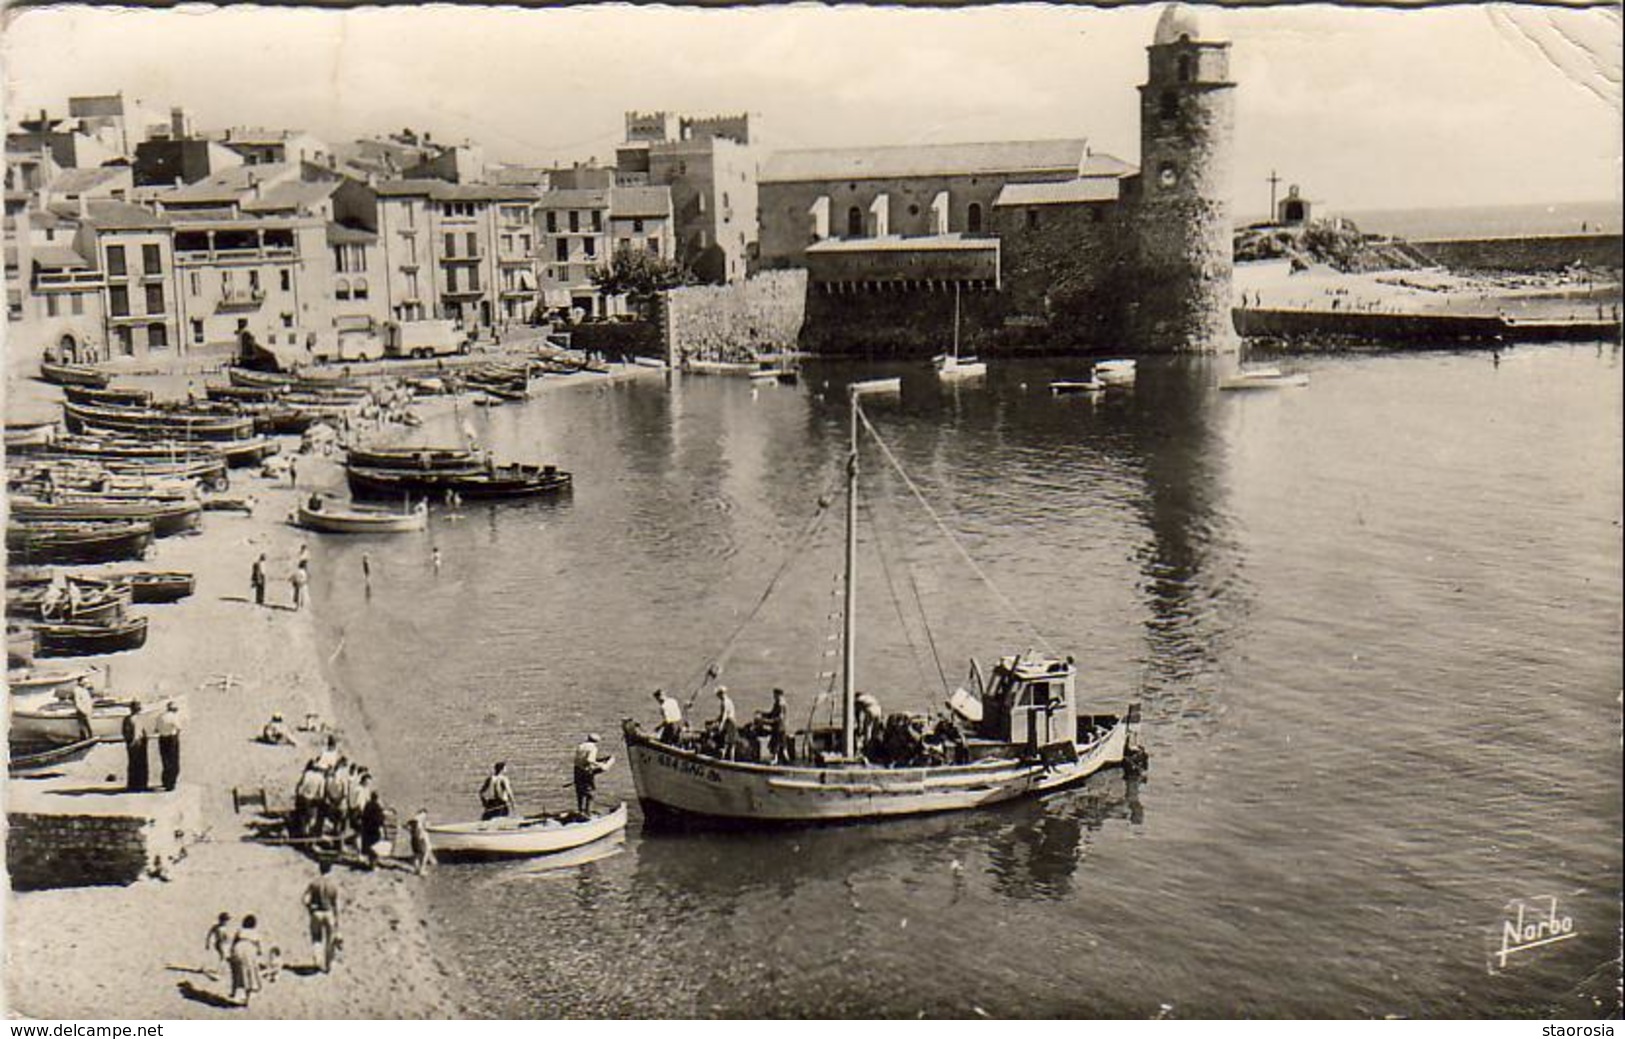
<point>587,766</point>
<point>727,724</point>
<point>671,717</point>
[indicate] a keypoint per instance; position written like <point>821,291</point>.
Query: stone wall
<point>736,322</point>
<point>897,323</point>
<point>1531,253</point>
<point>52,845</point>
<point>1063,269</point>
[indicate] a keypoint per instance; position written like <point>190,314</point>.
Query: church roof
<point>924,160</point>
<point>1062,192</point>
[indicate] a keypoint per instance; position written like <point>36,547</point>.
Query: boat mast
<point>848,625</point>
<point>956,320</point>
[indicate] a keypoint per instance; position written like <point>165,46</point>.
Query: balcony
<point>204,256</point>
<point>69,280</point>
<point>237,300</point>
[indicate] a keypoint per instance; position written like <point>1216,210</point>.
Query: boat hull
<point>672,781</point>
<point>74,375</point>
<point>56,724</point>
<point>350,521</point>
<point>165,517</point>
<point>519,838</point>
<point>395,484</point>
<point>89,640</point>
<point>83,543</point>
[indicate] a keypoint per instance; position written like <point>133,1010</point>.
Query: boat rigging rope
<point>953,539</point>
<point>891,589</point>
<point>793,553</point>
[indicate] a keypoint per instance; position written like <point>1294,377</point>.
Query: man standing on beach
<point>300,578</point>
<point>84,705</point>
<point>322,902</point>
<point>256,579</point>
<point>135,750</point>
<point>168,729</point>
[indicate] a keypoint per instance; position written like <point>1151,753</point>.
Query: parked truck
<point>428,338</point>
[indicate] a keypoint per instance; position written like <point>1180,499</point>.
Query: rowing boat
<point>125,398</point>
<point>77,542</point>
<point>498,481</point>
<point>89,640</point>
<point>74,375</point>
<point>149,586</point>
<point>56,722</point>
<point>530,835</point>
<point>56,684</point>
<point>328,517</point>
<point>186,425</point>
<point>430,459</point>
<point>167,516</point>
<point>30,760</point>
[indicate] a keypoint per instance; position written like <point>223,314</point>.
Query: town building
<point>710,169</point>
<point>260,147</point>
<point>1040,234</point>
<point>580,230</point>
<point>181,160</point>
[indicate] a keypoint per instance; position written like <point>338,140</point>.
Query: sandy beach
<point>137,952</point>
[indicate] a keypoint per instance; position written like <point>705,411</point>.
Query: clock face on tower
<point>1168,175</point>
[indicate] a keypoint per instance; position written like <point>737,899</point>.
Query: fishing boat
<point>56,684</point>
<point>157,586</point>
<point>1065,387</point>
<point>72,543</point>
<point>244,394</point>
<point>248,451</point>
<point>431,459</point>
<point>324,515</point>
<point>29,434</point>
<point>167,516</point>
<point>495,481</point>
<point>952,366</point>
<point>157,423</point>
<point>56,723</point>
<point>30,760</point>
<point>1115,372</point>
<point>99,603</point>
<point>90,640</point>
<point>74,375</point>
<point>1019,733</point>
<point>125,398</point>
<point>516,837</point>
<point>1263,379</point>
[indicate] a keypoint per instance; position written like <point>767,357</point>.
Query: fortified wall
<point>738,321</point>
<point>1530,253</point>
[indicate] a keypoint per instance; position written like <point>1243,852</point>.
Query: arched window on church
<point>973,218</point>
<point>1185,69</point>
<point>1168,106</point>
<point>854,222</point>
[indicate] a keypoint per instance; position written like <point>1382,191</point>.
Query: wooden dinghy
<point>157,423</point>
<point>527,836</point>
<point>166,516</point>
<point>74,375</point>
<point>71,543</point>
<point>159,586</point>
<point>329,517</point>
<point>1067,387</point>
<point>99,605</point>
<point>1115,372</point>
<point>29,434</point>
<point>123,398</point>
<point>431,459</point>
<point>58,683</point>
<point>55,723</point>
<point>501,481</point>
<point>90,640</point>
<point>29,760</point>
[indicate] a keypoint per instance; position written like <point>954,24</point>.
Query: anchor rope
<point>947,532</point>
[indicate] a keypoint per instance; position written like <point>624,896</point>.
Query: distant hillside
<point>1339,245</point>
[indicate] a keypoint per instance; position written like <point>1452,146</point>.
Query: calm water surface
<point>1375,624</point>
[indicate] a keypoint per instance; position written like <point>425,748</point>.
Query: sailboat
<point>952,366</point>
<point>1019,733</point>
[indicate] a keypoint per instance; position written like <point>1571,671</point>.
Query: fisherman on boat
<point>727,725</point>
<point>587,766</point>
<point>773,723</point>
<point>496,793</point>
<point>871,718</point>
<point>671,718</point>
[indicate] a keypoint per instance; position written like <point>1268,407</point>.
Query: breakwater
<point>1352,327</point>
<point>1526,253</point>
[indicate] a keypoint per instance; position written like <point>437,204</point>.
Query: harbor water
<point>1374,624</point>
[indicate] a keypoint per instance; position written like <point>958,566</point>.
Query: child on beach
<point>218,941</point>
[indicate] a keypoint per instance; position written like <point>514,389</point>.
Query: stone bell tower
<point>1181,247</point>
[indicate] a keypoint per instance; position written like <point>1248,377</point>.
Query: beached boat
<point>1065,387</point>
<point>1019,733</point>
<point>89,640</point>
<point>55,684</point>
<point>530,835</point>
<point>157,423</point>
<point>497,481</point>
<point>30,760</point>
<point>125,398</point>
<point>746,368</point>
<point>430,459</point>
<point>56,723</point>
<point>950,365</point>
<point>74,375</point>
<point>158,586</point>
<point>98,603</point>
<point>329,517</point>
<point>1116,372</point>
<point>29,434</point>
<point>72,543</point>
<point>167,516</point>
<point>1262,379</point>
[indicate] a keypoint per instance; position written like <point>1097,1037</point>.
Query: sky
<point>1471,105</point>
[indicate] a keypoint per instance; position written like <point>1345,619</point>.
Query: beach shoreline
<point>232,664</point>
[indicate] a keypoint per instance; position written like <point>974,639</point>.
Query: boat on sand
<point>330,517</point>
<point>518,836</point>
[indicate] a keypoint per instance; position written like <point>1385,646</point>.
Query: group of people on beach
<point>298,579</point>
<point>242,954</point>
<point>335,800</point>
<point>139,736</point>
